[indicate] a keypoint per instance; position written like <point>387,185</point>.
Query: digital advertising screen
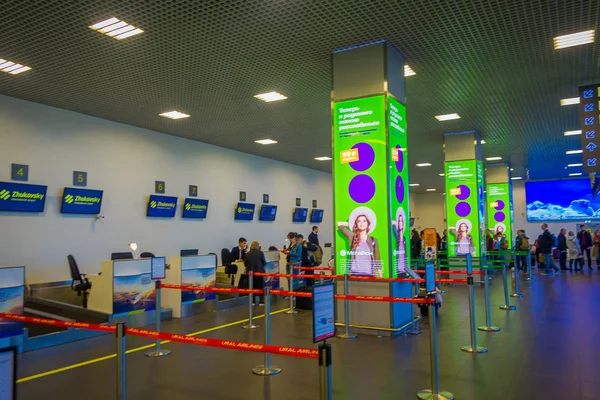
<point>499,206</point>
<point>561,200</point>
<point>300,214</point>
<point>12,298</point>
<point>81,201</point>
<point>316,216</point>
<point>399,198</point>
<point>158,268</point>
<point>244,212</point>
<point>194,208</point>
<point>161,206</point>
<point>21,197</point>
<point>323,312</point>
<point>360,187</point>
<point>463,197</point>
<point>267,213</point>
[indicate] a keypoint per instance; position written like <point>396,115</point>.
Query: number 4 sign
<point>19,172</point>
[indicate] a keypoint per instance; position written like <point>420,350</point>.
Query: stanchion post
<point>250,324</point>
<point>415,321</point>
<point>325,367</point>
<point>473,348</point>
<point>266,369</point>
<point>529,272</point>
<point>158,352</point>
<point>346,334</point>
<point>488,312</point>
<point>121,367</point>
<point>517,292</point>
<point>292,310</point>
<point>434,393</point>
<point>506,305</point>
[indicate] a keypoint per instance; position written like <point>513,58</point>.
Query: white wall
<point>428,210</point>
<point>125,161</point>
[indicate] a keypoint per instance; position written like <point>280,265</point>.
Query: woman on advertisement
<point>463,243</point>
<point>399,226</point>
<point>364,249</point>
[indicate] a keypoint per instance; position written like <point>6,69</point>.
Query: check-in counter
<point>123,288</point>
<point>200,271</point>
<point>12,297</point>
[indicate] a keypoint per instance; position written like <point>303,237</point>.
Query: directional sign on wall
<point>590,126</point>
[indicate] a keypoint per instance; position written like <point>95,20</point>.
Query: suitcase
<point>304,303</point>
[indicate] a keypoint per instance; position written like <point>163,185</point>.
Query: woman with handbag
<point>255,262</point>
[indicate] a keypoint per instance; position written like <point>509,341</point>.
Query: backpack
<point>524,243</point>
<point>504,244</point>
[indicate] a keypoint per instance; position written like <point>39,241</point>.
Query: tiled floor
<point>547,349</point>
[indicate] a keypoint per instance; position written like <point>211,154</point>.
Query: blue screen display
<point>244,212</point>
<point>561,200</point>
<point>195,208</point>
<point>300,214</point>
<point>267,213</point>
<point>161,206</point>
<point>22,197</point>
<point>316,216</point>
<point>81,201</point>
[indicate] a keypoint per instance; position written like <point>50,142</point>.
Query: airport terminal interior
<point>286,199</point>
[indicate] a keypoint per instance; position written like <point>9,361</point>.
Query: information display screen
<point>161,206</point>
<point>194,208</point>
<point>323,312</point>
<point>316,216</point>
<point>360,180</point>
<point>267,213</point>
<point>159,268</point>
<point>244,212</point>
<point>430,276</point>
<point>499,205</point>
<point>300,214</point>
<point>7,374</point>
<point>22,197</point>
<point>81,201</point>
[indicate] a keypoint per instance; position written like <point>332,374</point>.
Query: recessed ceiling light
<point>413,184</point>
<point>12,67</point>
<point>572,133</point>
<point>575,174</point>
<point>574,39</point>
<point>271,96</point>
<point>174,115</point>
<point>516,178</point>
<point>116,28</point>
<point>481,142</point>
<point>442,174</point>
<point>512,169</point>
<point>425,164</point>
<point>430,190</point>
<point>493,158</point>
<point>265,141</point>
<point>408,71</point>
<point>575,165</point>
<point>322,158</point>
<point>569,101</point>
<point>574,151</point>
<point>447,117</point>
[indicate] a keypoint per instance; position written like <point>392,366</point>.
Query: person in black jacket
<point>307,261</point>
<point>314,235</point>
<point>585,241</point>
<point>562,247</point>
<point>415,245</point>
<point>255,262</point>
<point>238,253</point>
<point>546,242</point>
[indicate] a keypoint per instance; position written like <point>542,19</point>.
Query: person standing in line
<point>596,240</point>
<point>585,241</point>
<point>573,251</point>
<point>546,242</point>
<point>562,248</point>
<point>294,256</point>
<point>522,244</point>
<point>255,262</point>
<point>314,235</point>
<point>415,244</point>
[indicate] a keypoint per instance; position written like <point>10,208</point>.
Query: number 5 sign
<point>79,178</point>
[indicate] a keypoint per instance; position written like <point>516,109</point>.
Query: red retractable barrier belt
<point>315,268</point>
<point>288,293</point>
<point>295,276</point>
<point>63,324</point>
<point>458,272</point>
<point>415,300</point>
<point>211,289</point>
<point>452,280</point>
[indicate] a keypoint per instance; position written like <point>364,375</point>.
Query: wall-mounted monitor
<point>194,208</point>
<point>22,197</point>
<point>244,212</point>
<point>300,214</point>
<point>316,216</point>
<point>267,212</point>
<point>81,201</point>
<point>188,252</point>
<point>161,206</point>
<point>561,200</point>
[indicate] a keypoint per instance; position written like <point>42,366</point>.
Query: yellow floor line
<point>96,360</point>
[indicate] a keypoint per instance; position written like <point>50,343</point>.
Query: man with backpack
<point>546,241</point>
<point>522,244</point>
<point>585,241</point>
<point>562,249</point>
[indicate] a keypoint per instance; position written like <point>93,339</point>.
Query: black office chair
<point>79,282</point>
<point>230,268</point>
<point>146,254</point>
<point>121,256</point>
<point>273,248</point>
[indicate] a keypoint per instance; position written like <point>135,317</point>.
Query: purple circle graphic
<point>499,205</point>
<point>366,157</point>
<point>465,192</point>
<point>361,188</point>
<point>499,216</point>
<point>400,162</point>
<point>462,209</point>
<point>399,189</point>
